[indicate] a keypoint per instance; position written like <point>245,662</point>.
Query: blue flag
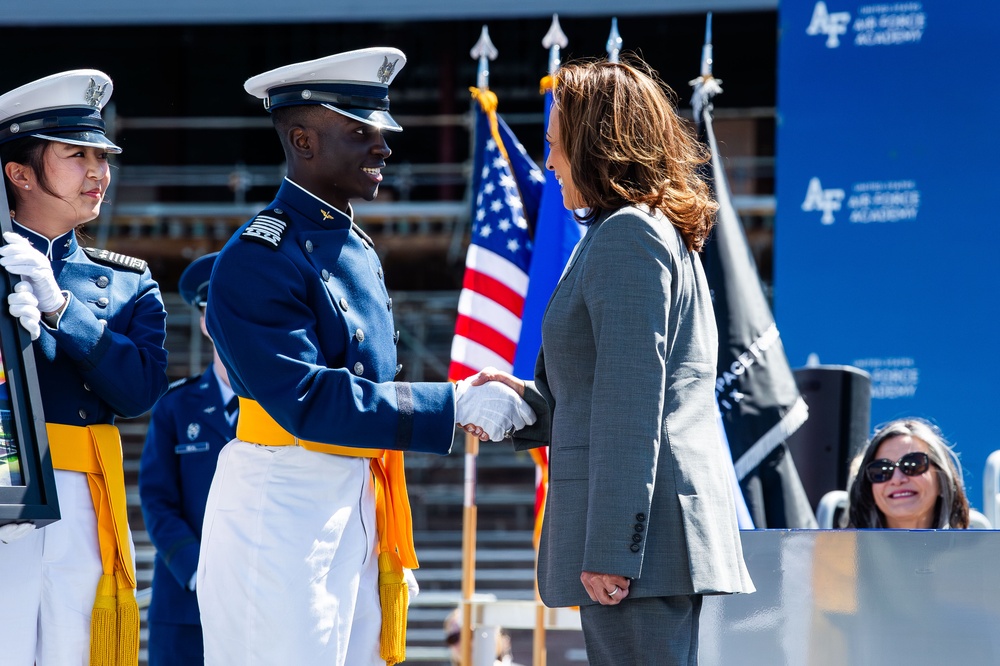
<point>556,234</point>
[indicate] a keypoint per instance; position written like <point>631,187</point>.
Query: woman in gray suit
<point>639,522</point>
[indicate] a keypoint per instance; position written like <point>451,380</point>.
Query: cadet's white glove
<point>14,531</point>
<point>19,258</point>
<point>411,584</point>
<point>23,306</point>
<point>494,407</point>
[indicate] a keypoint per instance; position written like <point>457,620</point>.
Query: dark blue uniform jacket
<point>301,317</point>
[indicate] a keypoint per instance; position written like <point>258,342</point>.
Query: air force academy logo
<point>825,200</point>
<point>833,25</point>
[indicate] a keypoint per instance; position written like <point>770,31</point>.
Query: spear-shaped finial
<point>614,46</point>
<point>484,51</point>
<point>554,40</point>
<point>705,86</point>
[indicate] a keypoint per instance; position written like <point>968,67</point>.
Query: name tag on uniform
<point>191,447</point>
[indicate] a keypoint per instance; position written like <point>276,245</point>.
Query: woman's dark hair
<point>626,145</point>
<point>29,151</point>
<point>952,507</point>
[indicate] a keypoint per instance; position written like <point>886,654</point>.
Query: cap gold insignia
<point>94,93</point>
<point>385,71</point>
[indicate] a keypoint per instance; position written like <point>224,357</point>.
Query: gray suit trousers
<point>648,631</point>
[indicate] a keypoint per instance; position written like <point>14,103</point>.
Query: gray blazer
<point>624,391</point>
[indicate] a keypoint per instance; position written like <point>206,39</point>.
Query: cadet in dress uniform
<point>308,511</point>
<point>98,326</point>
<point>189,427</point>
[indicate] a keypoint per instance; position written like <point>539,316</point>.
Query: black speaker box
<point>839,400</point>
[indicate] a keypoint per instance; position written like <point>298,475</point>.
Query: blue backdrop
<point>886,228</point>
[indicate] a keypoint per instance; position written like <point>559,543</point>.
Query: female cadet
<point>98,326</point>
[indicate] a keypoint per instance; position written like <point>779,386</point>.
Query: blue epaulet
<point>114,259</point>
<point>267,228</point>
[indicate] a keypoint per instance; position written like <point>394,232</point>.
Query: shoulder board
<point>114,259</point>
<point>267,228</point>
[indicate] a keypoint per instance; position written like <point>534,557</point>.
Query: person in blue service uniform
<point>98,326</point>
<point>307,528</point>
<point>188,428</point>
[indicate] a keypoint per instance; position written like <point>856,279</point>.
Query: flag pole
<point>554,40</point>
<point>614,45</point>
<point>483,51</point>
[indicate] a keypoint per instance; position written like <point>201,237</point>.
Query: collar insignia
<point>94,93</point>
<point>326,215</point>
<point>385,71</point>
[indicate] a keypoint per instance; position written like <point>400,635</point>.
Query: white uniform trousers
<point>50,583</point>
<point>288,572</point>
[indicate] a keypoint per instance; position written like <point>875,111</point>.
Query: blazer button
<point>82,413</point>
<point>103,281</point>
<point>360,335</point>
<point>325,274</point>
<point>636,538</point>
<point>395,338</point>
<point>102,302</point>
<point>379,272</point>
<point>639,527</point>
<point>388,304</point>
<point>359,368</point>
<point>343,304</point>
<point>86,387</point>
<point>309,246</point>
<point>634,548</point>
<point>641,517</point>
<point>399,368</point>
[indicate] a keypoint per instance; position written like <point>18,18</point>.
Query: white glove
<point>23,306</point>
<point>411,583</point>
<point>14,531</point>
<point>19,258</point>
<point>494,407</point>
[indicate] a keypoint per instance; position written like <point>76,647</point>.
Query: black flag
<point>759,400</point>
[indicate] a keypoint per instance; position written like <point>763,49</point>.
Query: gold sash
<point>96,451</point>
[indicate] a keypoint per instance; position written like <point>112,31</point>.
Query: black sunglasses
<point>912,464</point>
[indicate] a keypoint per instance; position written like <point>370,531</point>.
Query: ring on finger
<point>614,591</point>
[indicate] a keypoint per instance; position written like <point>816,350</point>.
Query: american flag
<point>507,189</point>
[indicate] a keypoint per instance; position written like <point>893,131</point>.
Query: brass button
<point>343,304</point>
<point>360,335</point>
<point>359,368</point>
<point>103,281</point>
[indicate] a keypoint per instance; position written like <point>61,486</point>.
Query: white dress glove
<point>14,531</point>
<point>494,407</point>
<point>23,306</point>
<point>19,258</point>
<point>411,584</point>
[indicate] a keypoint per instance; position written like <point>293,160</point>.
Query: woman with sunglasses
<point>909,478</point>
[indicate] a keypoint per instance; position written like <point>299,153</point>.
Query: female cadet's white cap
<point>354,83</point>
<point>64,107</point>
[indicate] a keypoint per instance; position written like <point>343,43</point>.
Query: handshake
<point>489,405</point>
